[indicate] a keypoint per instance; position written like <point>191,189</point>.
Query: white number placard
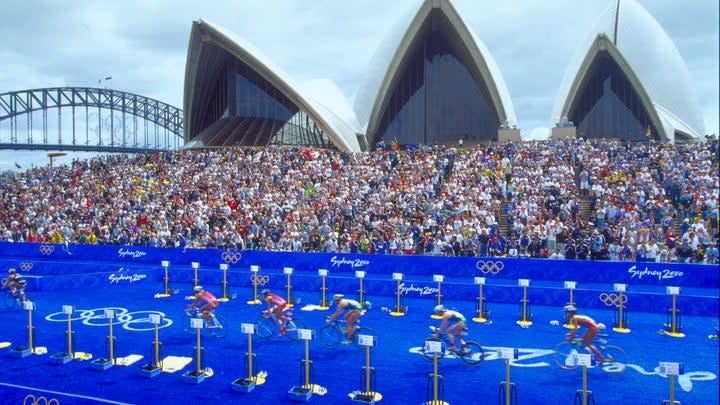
<point>247,328</point>
<point>570,285</point>
<point>195,265</point>
<point>366,340</point>
<point>523,282</point>
<point>223,266</point>
<point>397,276</point>
<point>508,353</point>
<point>28,305</point>
<point>109,313</point>
<point>155,319</point>
<point>305,334</point>
<point>432,346</point>
<point>673,290</point>
<point>671,368</point>
<point>165,263</point>
<point>438,278</point>
<point>480,280</point>
<point>67,309</point>
<point>583,359</point>
<point>254,268</point>
<point>359,274</point>
<point>620,287</point>
<point>322,272</point>
<point>287,270</point>
<point>197,323</point>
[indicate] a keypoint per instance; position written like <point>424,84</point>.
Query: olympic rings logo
<point>25,266</point>
<point>259,280</point>
<point>136,321</point>
<point>231,256</point>
<point>46,250</point>
<point>489,267</point>
<point>36,401</point>
<point>613,299</point>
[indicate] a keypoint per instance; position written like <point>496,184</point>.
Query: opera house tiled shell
<point>628,82</point>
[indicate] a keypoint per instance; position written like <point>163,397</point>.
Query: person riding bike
<point>593,328</point>
<point>206,303</point>
<point>354,311</point>
<point>16,283</point>
<point>453,331</point>
<point>276,306</point>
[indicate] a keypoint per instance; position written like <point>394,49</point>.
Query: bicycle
<point>217,325</point>
<point>615,357</point>
<point>471,352</point>
<point>266,326</point>
<point>334,332</point>
<point>13,300</point>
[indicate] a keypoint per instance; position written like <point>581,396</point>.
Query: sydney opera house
<point>433,81</point>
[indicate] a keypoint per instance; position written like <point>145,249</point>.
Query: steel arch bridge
<point>101,120</point>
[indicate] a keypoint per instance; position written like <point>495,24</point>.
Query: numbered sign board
<point>480,280</point>
<point>28,305</point>
<point>197,323</point>
<point>366,340</point>
<point>433,346</point>
<point>322,272</point>
<point>523,282</point>
<point>223,266</point>
<point>673,290</point>
<point>165,263</point>
<point>584,359</point>
<point>438,278</point>
<point>195,265</point>
<point>508,353</point>
<point>254,268</point>
<point>305,334</point>
<point>287,270</point>
<point>247,328</point>
<point>570,285</point>
<point>109,313</point>
<point>671,368</point>
<point>67,309</point>
<point>397,276</point>
<point>620,287</point>
<point>360,274</point>
<point>155,319</point>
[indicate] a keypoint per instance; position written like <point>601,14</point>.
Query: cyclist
<point>206,302</point>
<point>276,306</point>
<point>16,283</point>
<point>354,311</point>
<point>453,331</point>
<point>593,328</point>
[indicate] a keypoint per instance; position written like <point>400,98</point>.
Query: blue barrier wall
<point>661,274</point>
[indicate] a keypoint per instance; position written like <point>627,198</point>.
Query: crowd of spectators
<point>578,199</point>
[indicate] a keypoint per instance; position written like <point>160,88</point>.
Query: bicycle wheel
<point>363,330</point>
<point>219,327</point>
<point>265,327</point>
<point>330,335</point>
<point>564,355</point>
<point>615,360</point>
<point>474,353</point>
<point>292,327</point>
<point>428,355</point>
<point>9,300</point>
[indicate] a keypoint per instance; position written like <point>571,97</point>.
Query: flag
<point>380,145</point>
<point>648,131</point>
<point>395,145</point>
<point>18,165</point>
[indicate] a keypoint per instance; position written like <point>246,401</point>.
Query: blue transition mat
<point>402,372</point>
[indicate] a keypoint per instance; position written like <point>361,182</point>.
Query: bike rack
<point>570,286</point>
<point>165,264</point>
<point>525,317</point>
<point>673,322</point>
<point>323,290</point>
<point>367,376</point>
<point>30,349</point>
<point>620,323</point>
<point>438,278</point>
<point>153,369</point>
<point>198,375</point>
<point>67,355</point>
<point>482,315</point>
<point>289,271</point>
<point>400,309</point>
<point>247,384</point>
<point>103,364</point>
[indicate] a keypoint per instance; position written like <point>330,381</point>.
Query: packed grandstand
<point>575,199</point>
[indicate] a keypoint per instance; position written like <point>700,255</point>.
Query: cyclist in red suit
<point>205,301</point>
<point>593,328</point>
<point>276,306</point>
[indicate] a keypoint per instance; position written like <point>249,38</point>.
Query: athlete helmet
<point>12,270</point>
<point>439,308</point>
<point>337,297</point>
<point>265,292</point>
<point>570,308</point>
<point>197,288</point>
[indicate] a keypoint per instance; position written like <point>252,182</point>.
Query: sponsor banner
<point>668,274</point>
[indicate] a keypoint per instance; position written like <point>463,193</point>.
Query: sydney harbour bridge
<point>87,119</point>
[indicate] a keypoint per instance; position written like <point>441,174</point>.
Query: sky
<point>143,44</point>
